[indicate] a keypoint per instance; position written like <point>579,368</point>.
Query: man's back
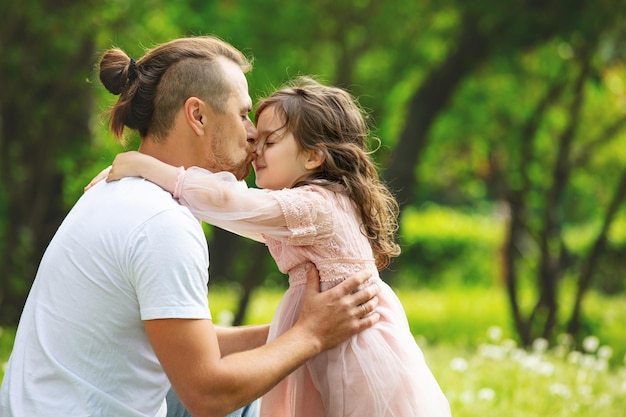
<point>127,252</point>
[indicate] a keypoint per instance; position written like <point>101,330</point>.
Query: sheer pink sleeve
<point>296,216</point>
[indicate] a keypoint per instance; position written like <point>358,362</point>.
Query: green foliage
<point>501,379</point>
<point>443,246</point>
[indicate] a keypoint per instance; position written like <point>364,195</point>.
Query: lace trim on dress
<point>335,270</point>
<point>304,215</point>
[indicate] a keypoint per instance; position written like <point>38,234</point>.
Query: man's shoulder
<point>131,200</point>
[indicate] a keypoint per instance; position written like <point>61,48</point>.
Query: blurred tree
<point>548,140</point>
<point>44,114</point>
<point>487,28</point>
<point>48,52</point>
<point>544,221</point>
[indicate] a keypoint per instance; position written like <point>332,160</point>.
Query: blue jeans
<point>176,409</point>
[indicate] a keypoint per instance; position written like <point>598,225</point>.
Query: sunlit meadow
<point>481,369</point>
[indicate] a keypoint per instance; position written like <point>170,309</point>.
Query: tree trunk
<point>44,114</point>
<point>427,103</point>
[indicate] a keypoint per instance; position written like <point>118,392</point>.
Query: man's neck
<point>165,151</point>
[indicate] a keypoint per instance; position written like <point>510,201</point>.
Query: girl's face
<point>279,163</point>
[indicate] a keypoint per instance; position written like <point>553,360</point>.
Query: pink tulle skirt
<point>381,372</point>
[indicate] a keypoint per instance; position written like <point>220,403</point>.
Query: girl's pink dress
<point>380,372</point>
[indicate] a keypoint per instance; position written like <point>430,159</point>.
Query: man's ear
<point>315,159</point>
<point>195,115</point>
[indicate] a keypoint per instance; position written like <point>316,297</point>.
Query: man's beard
<point>222,161</point>
<point>243,171</point>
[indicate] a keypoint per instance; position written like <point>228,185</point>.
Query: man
<point>118,309</point>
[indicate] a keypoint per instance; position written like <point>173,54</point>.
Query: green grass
<point>468,343</point>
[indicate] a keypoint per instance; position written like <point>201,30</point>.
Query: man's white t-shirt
<point>127,252</point>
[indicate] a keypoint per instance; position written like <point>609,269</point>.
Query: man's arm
<point>209,384</point>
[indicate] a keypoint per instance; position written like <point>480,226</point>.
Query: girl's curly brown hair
<point>330,120</point>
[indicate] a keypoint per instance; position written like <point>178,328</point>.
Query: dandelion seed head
<point>560,390</point>
<point>518,355</point>
<point>585,390</point>
<point>546,368</point>
<point>587,361</point>
<point>603,401</point>
<point>225,318</point>
<point>531,362</point>
<point>565,339</point>
<point>590,344</point>
<point>601,365</point>
<point>508,344</point>
<point>490,351</point>
<point>540,345</point>
<point>560,351</point>
<point>605,352</point>
<point>574,357</point>
<point>494,333</point>
<point>486,394</point>
<point>458,365</point>
<point>467,397</point>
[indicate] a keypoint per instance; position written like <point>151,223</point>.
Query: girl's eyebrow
<point>267,132</point>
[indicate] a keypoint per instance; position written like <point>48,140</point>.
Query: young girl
<point>322,201</point>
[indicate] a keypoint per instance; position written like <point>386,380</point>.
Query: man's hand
<point>335,315</point>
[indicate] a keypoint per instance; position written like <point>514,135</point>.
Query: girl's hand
<point>124,165</point>
<point>127,164</point>
<point>136,164</point>
<point>102,175</point>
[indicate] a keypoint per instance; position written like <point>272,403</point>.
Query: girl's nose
<point>259,148</point>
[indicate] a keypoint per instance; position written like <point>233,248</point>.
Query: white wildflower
<point>467,397</point>
<point>540,345</point>
<point>487,350</point>
<point>508,344</point>
<point>494,333</point>
<point>486,394</point>
<point>574,357</point>
<point>603,401</point>
<point>561,390</point>
<point>605,352</point>
<point>601,365</point>
<point>585,390</point>
<point>518,355</point>
<point>560,351</point>
<point>565,339</point>
<point>590,344</point>
<point>458,365</point>
<point>546,368</point>
<point>588,361</point>
<point>225,318</point>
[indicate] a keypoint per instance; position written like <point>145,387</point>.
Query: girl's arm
<point>220,200</point>
<point>137,164</point>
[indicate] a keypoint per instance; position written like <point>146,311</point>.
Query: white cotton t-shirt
<point>127,252</point>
